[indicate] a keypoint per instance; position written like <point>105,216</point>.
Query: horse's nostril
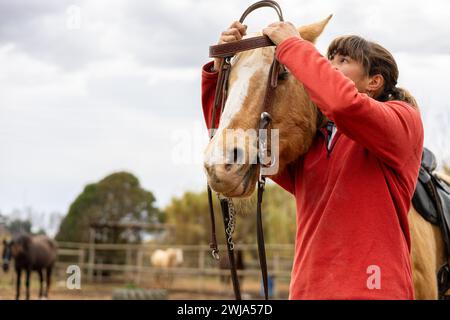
<point>237,156</point>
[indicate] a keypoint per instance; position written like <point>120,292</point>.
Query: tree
<point>15,223</point>
<point>4,233</point>
<point>117,198</point>
<point>190,216</point>
<point>18,226</point>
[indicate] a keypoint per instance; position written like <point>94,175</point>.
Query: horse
<point>30,253</point>
<point>164,260</point>
<point>297,128</point>
<point>168,258</point>
<point>224,264</point>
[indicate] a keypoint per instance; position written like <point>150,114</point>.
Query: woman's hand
<point>280,31</point>
<point>234,33</point>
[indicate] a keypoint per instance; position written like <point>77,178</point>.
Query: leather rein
<point>227,51</point>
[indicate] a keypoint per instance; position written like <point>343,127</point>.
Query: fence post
<point>140,258</point>
<point>201,266</point>
<point>91,255</point>
<point>80,257</point>
<point>128,272</point>
<point>277,269</point>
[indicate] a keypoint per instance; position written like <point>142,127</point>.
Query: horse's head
<point>230,157</point>
<point>17,246</point>
<point>7,254</point>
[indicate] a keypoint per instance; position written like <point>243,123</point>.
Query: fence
<point>129,263</point>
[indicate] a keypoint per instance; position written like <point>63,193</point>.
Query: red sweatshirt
<point>353,240</point>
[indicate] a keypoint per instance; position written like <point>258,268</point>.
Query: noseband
<point>6,256</point>
<point>227,51</point>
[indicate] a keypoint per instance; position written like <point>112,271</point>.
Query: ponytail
<point>400,94</point>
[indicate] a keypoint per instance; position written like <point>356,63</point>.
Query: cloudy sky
<point>88,88</point>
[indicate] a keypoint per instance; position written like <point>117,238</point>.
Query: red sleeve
<point>393,130</point>
<point>209,82</point>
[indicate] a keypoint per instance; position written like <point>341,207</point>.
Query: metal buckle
<point>215,254</point>
<point>264,123</point>
<point>228,60</point>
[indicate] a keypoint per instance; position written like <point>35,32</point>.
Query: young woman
<point>354,186</point>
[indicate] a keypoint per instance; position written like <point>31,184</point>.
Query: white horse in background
<point>168,258</point>
<point>164,261</point>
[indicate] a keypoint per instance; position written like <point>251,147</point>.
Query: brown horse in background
<point>297,127</point>
<point>30,253</point>
<point>224,264</point>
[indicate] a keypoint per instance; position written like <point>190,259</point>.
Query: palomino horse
<point>297,127</point>
<point>30,253</point>
<point>164,261</point>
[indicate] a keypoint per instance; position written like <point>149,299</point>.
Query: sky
<point>88,88</point>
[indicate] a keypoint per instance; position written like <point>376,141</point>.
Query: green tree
<point>117,198</point>
<point>279,209</point>
<point>190,216</point>
<point>17,226</point>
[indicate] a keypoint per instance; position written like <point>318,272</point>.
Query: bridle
<point>7,254</point>
<point>227,51</point>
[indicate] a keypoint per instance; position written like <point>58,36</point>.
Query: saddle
<point>432,200</point>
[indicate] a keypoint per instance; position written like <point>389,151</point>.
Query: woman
<point>354,186</point>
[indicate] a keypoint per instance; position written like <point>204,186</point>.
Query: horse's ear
<point>312,31</point>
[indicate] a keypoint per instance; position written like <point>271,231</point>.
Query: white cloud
<point>76,105</point>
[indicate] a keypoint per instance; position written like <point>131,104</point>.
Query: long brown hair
<point>375,59</point>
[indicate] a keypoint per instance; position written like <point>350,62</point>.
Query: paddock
<point>129,268</point>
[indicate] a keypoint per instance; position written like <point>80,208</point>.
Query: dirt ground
<point>102,294</point>
<point>180,289</point>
